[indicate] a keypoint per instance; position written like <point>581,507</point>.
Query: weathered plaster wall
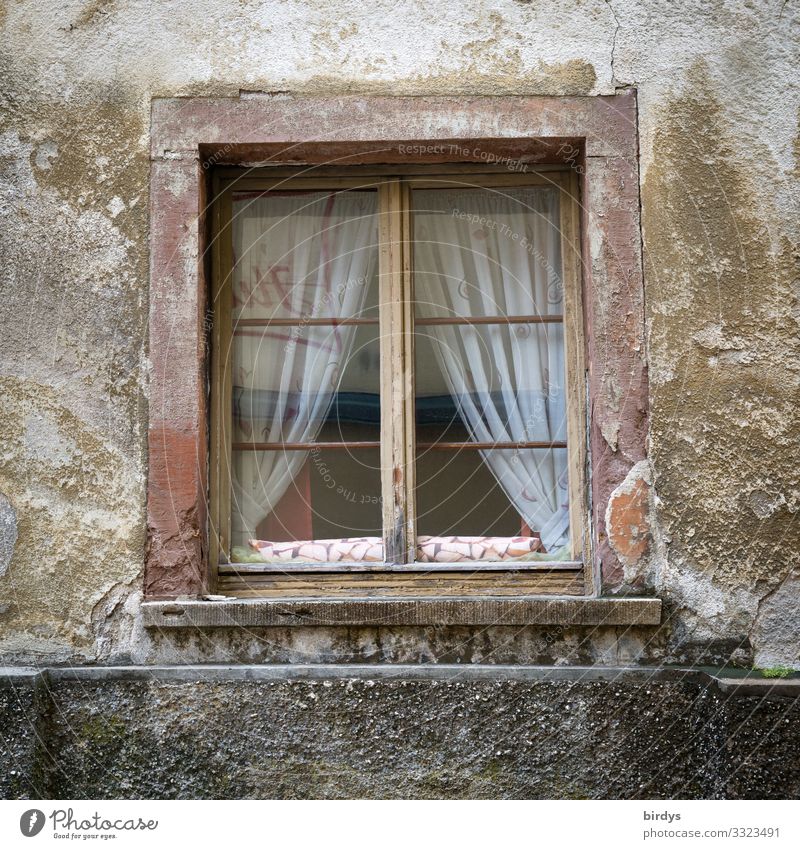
<point>718,112</point>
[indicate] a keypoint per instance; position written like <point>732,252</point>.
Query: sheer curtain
<point>299,256</point>
<point>485,253</point>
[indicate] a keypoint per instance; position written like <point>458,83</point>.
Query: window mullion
<point>393,324</point>
<point>409,394</point>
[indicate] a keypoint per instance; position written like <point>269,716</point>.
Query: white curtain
<point>301,256</point>
<point>498,253</point>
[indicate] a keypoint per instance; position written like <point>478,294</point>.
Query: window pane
<point>490,383</point>
<point>466,493</point>
<point>304,261</point>
<point>304,255</point>
<point>327,499</point>
<point>482,252</point>
<point>484,261</point>
<point>306,384</point>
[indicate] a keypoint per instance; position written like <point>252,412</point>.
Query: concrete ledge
<point>735,682</point>
<point>325,671</point>
<point>543,610</point>
<point>382,731</point>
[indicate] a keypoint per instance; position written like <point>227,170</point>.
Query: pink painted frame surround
<point>597,136</point>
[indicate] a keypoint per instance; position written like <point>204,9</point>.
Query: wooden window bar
<point>434,446</point>
<point>301,322</point>
<point>336,322</point>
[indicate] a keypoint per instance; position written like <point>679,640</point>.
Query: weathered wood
<point>391,290</point>
<point>370,178</point>
<point>487,446</point>
<point>255,613</point>
<point>461,566</point>
<point>309,585</point>
<point>301,322</point>
<point>492,319</point>
<point>256,177</point>
<point>221,380</point>
<point>396,322</point>
<point>215,409</point>
<point>302,446</point>
<point>431,446</point>
<point>575,361</point>
<point>466,181</point>
<point>408,384</point>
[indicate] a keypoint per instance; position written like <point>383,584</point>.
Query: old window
<point>583,147</point>
<point>397,381</point>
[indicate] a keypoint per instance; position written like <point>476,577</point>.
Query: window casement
<point>397,382</point>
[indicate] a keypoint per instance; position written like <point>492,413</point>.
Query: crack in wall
<point>614,80</point>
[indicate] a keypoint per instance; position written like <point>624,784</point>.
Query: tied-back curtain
<point>498,253</point>
<point>301,256</point>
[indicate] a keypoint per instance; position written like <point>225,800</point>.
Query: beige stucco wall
<point>718,101</point>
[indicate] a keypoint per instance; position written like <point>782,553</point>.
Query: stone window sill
<point>487,610</point>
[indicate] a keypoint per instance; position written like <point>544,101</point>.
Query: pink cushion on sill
<point>452,549</point>
<point>457,549</point>
<point>350,550</point>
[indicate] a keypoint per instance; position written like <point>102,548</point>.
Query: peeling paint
<point>725,427</point>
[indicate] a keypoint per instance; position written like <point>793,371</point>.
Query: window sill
<point>430,610</point>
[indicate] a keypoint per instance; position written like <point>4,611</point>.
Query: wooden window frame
<point>595,137</point>
<point>397,327</point>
